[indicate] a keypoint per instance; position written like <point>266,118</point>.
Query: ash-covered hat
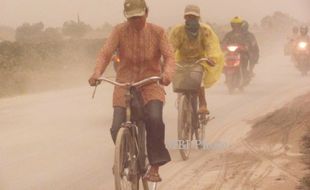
<point>134,8</point>
<point>192,10</point>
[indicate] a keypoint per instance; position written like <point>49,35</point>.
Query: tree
<point>278,22</point>
<point>266,22</point>
<point>35,33</point>
<point>52,34</point>
<point>105,29</point>
<point>75,29</point>
<point>29,32</point>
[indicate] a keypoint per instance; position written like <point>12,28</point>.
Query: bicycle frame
<point>128,95</point>
<point>137,136</point>
<point>192,99</point>
<point>194,120</point>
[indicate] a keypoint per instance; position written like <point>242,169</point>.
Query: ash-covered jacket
<point>205,45</point>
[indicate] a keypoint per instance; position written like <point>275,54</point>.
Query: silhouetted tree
<point>35,33</point>
<point>105,29</point>
<point>75,29</point>
<point>29,33</point>
<point>52,34</point>
<point>278,22</point>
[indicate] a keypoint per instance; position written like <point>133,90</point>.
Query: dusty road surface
<point>60,140</point>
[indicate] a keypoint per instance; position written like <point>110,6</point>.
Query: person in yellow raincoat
<point>195,40</point>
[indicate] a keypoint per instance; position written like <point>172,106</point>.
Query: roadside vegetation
<point>40,58</point>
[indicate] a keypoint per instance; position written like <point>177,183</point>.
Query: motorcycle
<point>235,78</point>
<point>302,57</point>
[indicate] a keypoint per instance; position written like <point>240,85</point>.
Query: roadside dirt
<point>274,154</point>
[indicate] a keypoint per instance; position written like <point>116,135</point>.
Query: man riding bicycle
<point>141,46</point>
<point>193,41</point>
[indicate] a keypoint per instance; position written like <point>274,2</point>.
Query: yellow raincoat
<point>205,45</point>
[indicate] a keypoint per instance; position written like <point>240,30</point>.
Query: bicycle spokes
<point>125,163</point>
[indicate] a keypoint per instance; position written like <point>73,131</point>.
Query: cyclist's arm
<point>106,52</point>
<point>213,48</point>
<point>169,60</point>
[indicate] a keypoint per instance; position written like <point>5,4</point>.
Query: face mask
<point>192,27</point>
<point>138,22</point>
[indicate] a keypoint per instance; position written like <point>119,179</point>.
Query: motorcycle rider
<point>253,47</point>
<point>295,34</point>
<point>140,45</point>
<point>249,50</point>
<point>302,37</point>
<point>193,41</point>
<point>289,47</point>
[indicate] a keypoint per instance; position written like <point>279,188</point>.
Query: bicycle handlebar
<point>209,62</point>
<point>139,83</point>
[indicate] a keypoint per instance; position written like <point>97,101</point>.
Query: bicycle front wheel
<point>200,130</point>
<point>185,132</point>
<point>126,175</point>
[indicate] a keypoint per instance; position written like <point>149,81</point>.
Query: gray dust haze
<point>59,139</point>
<point>162,12</point>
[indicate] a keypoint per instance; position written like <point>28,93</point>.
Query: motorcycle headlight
<point>232,48</point>
<point>302,45</point>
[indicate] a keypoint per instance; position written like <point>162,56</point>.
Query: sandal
<point>152,176</point>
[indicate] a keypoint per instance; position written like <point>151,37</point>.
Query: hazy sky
<point>163,12</point>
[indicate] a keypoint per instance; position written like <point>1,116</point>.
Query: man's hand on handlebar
<point>93,81</point>
<point>164,80</point>
<point>207,60</point>
<point>211,62</point>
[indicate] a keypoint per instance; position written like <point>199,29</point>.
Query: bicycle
<point>130,159</point>
<point>191,123</point>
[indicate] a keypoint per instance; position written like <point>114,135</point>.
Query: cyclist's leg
<point>194,103</point>
<point>157,152</point>
<point>203,108</point>
<point>119,116</point>
<point>155,128</point>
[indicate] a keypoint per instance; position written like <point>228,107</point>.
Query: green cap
<point>134,8</point>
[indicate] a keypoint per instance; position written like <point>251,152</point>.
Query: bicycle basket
<point>187,78</point>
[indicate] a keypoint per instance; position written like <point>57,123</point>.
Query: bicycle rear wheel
<point>185,132</point>
<point>126,175</point>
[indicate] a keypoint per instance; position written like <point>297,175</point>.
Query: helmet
<point>295,29</point>
<point>304,30</point>
<point>245,25</point>
<point>236,22</point>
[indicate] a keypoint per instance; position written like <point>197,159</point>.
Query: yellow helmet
<point>236,20</point>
